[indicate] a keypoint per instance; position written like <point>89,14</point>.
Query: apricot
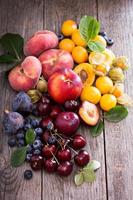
<point>39,42</point>
<point>77,39</point>
<point>68,27</point>
<point>26,75</point>
<point>79,54</point>
<point>86,73</point>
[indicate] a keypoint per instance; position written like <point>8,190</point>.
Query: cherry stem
<point>73,150</point>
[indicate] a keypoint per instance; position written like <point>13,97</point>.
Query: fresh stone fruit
<point>50,165</point>
<point>82,158</point>
<point>22,103</point>
<point>67,123</point>
<point>36,162</point>
<point>78,142</point>
<point>65,168</point>
<point>64,155</point>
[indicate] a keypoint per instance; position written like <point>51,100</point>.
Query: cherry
<point>55,110</point>
<point>45,121</point>
<point>45,99</point>
<point>78,142</point>
<point>50,165</point>
<point>65,168</point>
<point>36,162</point>
<point>82,158</point>
<point>64,155</point>
<point>43,108</point>
<point>48,150</point>
<point>71,105</point>
<point>67,123</point>
<point>45,136</point>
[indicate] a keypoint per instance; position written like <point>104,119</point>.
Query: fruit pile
<point>63,80</point>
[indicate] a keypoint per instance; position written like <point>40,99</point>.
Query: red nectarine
<point>64,85</point>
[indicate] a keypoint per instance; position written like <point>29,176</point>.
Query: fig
<point>13,121</point>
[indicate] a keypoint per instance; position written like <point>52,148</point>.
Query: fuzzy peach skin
<point>26,75</point>
<point>55,59</point>
<point>39,42</point>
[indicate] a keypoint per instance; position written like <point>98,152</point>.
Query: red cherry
<point>50,165</point>
<point>55,110</point>
<point>45,136</point>
<point>82,158</point>
<point>48,150</point>
<point>64,155</point>
<point>36,162</point>
<point>65,168</point>
<point>78,142</point>
<point>43,108</point>
<point>45,99</point>
<point>71,105</point>
<point>45,121</point>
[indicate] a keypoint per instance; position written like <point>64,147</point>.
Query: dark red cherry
<point>64,155</point>
<point>45,136</point>
<point>45,121</point>
<point>71,105</point>
<point>48,150</point>
<point>65,168</point>
<point>43,108</point>
<point>82,158</point>
<point>50,165</point>
<point>55,110</point>
<point>78,142</point>
<point>36,162</point>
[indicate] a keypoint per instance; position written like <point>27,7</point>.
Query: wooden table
<point>114,147</point>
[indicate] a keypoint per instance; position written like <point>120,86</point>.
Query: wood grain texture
<point>57,188</point>
<point>113,148</point>
<point>23,17</point>
<point>116,18</point>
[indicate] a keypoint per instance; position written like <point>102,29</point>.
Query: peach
<point>39,42</point>
<point>26,75</point>
<point>89,113</point>
<point>55,59</point>
<point>64,85</point>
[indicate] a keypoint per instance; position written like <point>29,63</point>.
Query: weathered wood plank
<point>116,18</point>
<point>54,187</point>
<point>24,17</point>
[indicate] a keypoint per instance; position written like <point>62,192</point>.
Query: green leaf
<point>79,179</point>
<point>116,114</point>
<point>89,176</point>
<point>93,164</point>
<point>95,46</point>
<point>89,27</point>
<point>97,129</point>
<point>18,156</point>
<point>30,136</point>
<point>7,59</point>
<point>13,44</point>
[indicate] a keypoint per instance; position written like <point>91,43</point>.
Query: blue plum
<point>22,103</point>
